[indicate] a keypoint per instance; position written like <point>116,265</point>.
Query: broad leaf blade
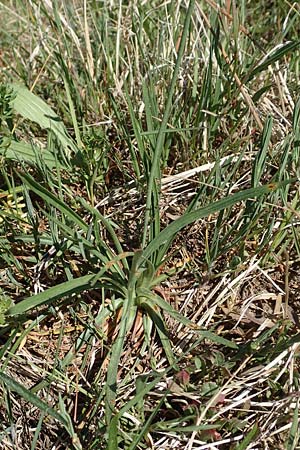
<point>21,151</point>
<point>31,107</point>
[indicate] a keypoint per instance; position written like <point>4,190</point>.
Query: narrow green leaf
<point>69,425</point>
<point>34,443</point>
<point>142,393</point>
<point>67,83</point>
<point>138,135</point>
<point>260,92</point>
<point>165,306</point>
<point>52,200</point>
<point>113,434</point>
<point>217,339</point>
<point>171,230</point>
<point>163,334</point>
<point>293,438</point>
<point>274,56</point>
<point>117,348</point>
<point>109,227</point>
<point>150,298</point>
<point>138,437</point>
<point>57,292</point>
<point>29,397</point>
<point>248,438</point>
<point>260,159</point>
<point>52,294</point>
<point>296,120</point>
<point>153,188</point>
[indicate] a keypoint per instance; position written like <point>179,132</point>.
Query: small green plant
<point>6,111</point>
<point>5,304</point>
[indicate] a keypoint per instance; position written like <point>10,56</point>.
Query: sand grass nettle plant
<point>134,284</point>
<point>132,276</point>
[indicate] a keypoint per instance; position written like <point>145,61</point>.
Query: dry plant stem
<point>286,284</point>
<point>227,14</point>
<point>40,72</point>
<point>90,59</point>
<point>191,172</point>
<point>167,182</point>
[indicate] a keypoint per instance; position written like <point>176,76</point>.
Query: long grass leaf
<point>163,334</point>
<point>112,443</point>
<point>274,56</point>
<point>147,424</point>
<point>260,159</point>
<point>117,348</point>
<point>171,230</point>
<point>31,398</point>
<point>109,227</point>
<point>52,200</point>
<point>294,434</point>
<point>165,306</point>
<point>57,292</point>
<point>152,191</point>
<point>248,438</point>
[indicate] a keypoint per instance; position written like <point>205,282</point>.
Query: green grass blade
<point>69,425</point>
<point>170,231</point>
<point>217,339</point>
<point>57,292</point>
<point>150,298</point>
<point>52,200</point>
<point>117,348</point>
<point>248,439</point>
<point>108,225</point>
<point>273,57</point>
<point>68,87</point>
<point>31,398</point>
<point>112,443</point>
<point>142,393</point>
<point>37,432</point>
<point>296,130</point>
<point>163,334</point>
<point>294,434</point>
<point>260,160</point>
<point>296,119</point>
<point>139,139</point>
<point>147,424</point>
<point>152,199</point>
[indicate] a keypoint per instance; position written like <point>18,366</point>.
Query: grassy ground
<point>149,251</point>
